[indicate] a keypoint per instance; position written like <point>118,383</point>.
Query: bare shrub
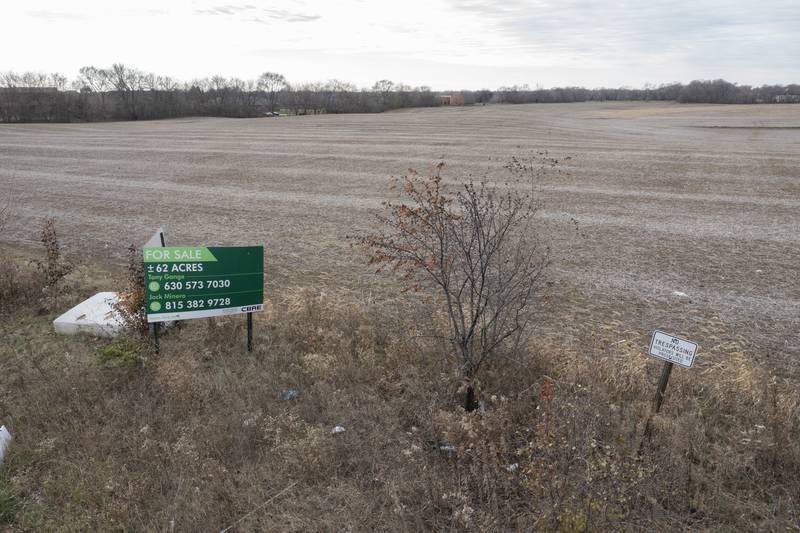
<point>478,249</point>
<point>131,304</point>
<point>55,267</point>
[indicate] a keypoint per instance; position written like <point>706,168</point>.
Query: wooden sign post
<point>673,351</point>
<point>662,386</point>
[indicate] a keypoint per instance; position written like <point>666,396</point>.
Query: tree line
<point>125,93</point>
<point>695,92</point>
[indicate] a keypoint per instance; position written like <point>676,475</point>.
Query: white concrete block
<point>5,441</point>
<point>95,316</point>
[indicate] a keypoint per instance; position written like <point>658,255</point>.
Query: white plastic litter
<point>5,441</point>
<point>337,429</point>
<point>447,448</point>
<point>680,294</point>
<point>95,316</point>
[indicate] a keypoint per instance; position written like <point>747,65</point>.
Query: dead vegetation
<point>199,438</point>
<point>131,298</point>
<point>55,267</point>
<point>12,288</point>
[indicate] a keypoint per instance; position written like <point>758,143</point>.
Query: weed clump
<point>124,352</point>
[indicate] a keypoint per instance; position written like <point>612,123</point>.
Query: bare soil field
<point>695,199</point>
<point>701,200</point>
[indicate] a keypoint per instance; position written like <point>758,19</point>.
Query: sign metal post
<point>157,240</point>
<point>249,332</point>
<point>156,326</point>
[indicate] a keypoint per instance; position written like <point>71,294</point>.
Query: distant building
<point>451,99</point>
<point>787,99</point>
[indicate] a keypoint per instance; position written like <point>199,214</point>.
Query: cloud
<point>443,43</point>
<point>281,14</point>
<point>690,32</point>
<point>254,14</point>
<point>225,10</point>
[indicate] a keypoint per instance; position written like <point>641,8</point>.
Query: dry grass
<point>198,438</point>
<point>33,282</point>
<point>6,211</point>
<point>17,285</point>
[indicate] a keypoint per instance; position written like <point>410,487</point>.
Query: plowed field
<point>689,216</point>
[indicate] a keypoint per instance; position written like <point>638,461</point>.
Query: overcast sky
<point>440,43</point>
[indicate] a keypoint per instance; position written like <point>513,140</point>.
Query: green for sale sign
<point>198,281</point>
